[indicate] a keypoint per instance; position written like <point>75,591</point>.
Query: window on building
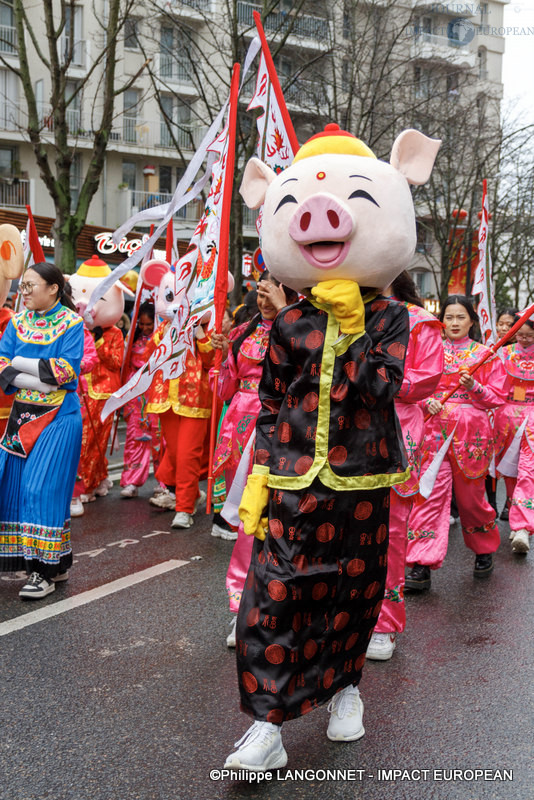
<point>166,52</point>
<point>422,280</point>
<point>165,179</point>
<point>346,75</point>
<point>8,159</point>
<point>484,13</point>
<point>423,26</point>
<point>9,100</point>
<point>129,174</point>
<point>73,109</point>
<point>453,84</point>
<point>167,128</point>
<point>75,180</point>
<point>482,55</point>
<point>73,36</point>
<point>424,82</point>
<point>131,33</point>
<point>424,237</point>
<point>347,19</point>
<point>8,33</point>
<point>130,114</point>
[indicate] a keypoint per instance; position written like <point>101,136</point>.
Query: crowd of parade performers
<point>458,423</point>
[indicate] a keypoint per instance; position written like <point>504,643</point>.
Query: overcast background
<point>518,62</point>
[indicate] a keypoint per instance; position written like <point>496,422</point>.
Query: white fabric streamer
<point>507,466</point>
<point>427,481</point>
<point>233,499</point>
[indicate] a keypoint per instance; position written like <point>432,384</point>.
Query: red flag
<point>33,239</point>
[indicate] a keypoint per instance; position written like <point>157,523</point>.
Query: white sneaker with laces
<point>165,499</point>
<point>76,507</point>
<point>182,520</point>
<point>381,646</point>
<point>61,576</point>
<point>88,498</point>
<point>230,639</point>
<point>346,712</point>
<point>260,749</point>
<point>520,541</point>
<point>103,487</point>
<point>129,491</point>
<point>36,587</point>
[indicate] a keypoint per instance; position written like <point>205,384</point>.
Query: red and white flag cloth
<point>277,142</point>
<point>32,251</point>
<point>483,281</point>
<point>195,277</point>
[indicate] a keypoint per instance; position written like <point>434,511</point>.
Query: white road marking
<point>82,599</point>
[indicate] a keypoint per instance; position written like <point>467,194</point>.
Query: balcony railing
<point>73,120</point>
<point>79,52</point>
<point>9,115</point>
<point>196,5</point>
<point>304,26</point>
<point>8,39</point>
<point>307,94</point>
<point>14,192</point>
<point>175,70</point>
<point>139,201</point>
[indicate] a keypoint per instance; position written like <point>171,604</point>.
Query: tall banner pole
<point>221,282</point>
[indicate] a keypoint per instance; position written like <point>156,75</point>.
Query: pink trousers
<point>521,490</point>
<point>141,441</point>
<point>428,526</point>
<point>393,612</point>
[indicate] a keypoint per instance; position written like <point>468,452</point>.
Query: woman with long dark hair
<point>40,354</point>
<point>239,380</point>
<point>466,463</point>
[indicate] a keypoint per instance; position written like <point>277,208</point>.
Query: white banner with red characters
<point>195,275</point>
<point>483,283</point>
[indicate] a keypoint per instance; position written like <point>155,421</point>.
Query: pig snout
<point>321,218</point>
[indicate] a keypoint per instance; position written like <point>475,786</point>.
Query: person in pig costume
<point>338,226</point>
<point>102,380</point>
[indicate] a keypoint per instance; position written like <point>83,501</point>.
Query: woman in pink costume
<point>468,457</point>
<point>238,384</point>
<point>422,370</point>
<point>519,406</point>
<point>141,428</point>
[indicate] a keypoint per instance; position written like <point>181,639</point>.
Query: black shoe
<point>505,514</point>
<point>418,579</point>
<point>483,565</point>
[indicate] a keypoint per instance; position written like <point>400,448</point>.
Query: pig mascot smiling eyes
<point>328,444</point>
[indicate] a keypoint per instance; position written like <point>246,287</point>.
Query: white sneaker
<point>36,587</point>
<point>201,499</point>
<point>129,491</point>
<point>76,507</point>
<point>260,749</point>
<point>381,646</point>
<point>223,533</point>
<point>103,487</point>
<point>182,520</point>
<point>61,576</point>
<point>88,498</point>
<point>230,639</point>
<point>165,499</point>
<point>346,711</point>
<point>520,542</point>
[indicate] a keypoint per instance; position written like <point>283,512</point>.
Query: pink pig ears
<point>153,271</point>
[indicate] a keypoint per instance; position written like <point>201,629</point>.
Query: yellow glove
<point>253,504</point>
<point>346,301</point>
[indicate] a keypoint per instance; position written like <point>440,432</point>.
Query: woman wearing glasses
<point>518,361</point>
<point>40,354</point>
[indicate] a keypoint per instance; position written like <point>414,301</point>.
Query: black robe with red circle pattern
<point>329,440</point>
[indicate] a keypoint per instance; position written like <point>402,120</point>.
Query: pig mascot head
<point>108,310</point>
<point>339,213</point>
<point>11,259</point>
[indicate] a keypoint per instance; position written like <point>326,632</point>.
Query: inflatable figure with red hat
<point>102,380</point>
<point>338,226</point>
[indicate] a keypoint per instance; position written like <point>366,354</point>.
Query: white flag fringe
<point>427,481</point>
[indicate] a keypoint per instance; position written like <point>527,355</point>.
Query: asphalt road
<point>126,691</point>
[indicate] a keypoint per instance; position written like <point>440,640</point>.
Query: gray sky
<point>518,62</point>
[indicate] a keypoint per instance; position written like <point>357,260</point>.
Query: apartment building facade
<point>176,56</point>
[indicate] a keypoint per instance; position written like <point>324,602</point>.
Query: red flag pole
<point>271,69</point>
<point>492,350</point>
<point>221,280</point>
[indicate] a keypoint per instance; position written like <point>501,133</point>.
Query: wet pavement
<point>127,691</point>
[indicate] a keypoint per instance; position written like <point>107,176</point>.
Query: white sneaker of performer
<point>346,712</point>
<point>259,749</point>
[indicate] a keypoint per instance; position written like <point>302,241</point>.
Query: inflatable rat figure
<point>338,226</point>
<point>103,379</point>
